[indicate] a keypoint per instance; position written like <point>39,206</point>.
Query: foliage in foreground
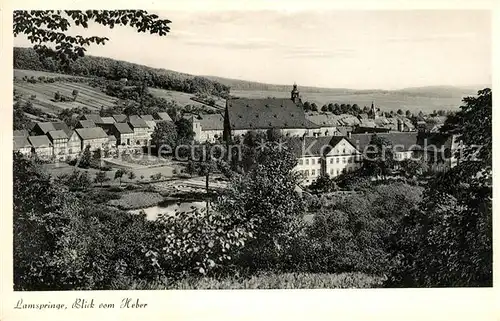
<point>62,240</point>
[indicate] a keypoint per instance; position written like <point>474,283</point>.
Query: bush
<point>354,232</point>
<point>62,242</point>
<point>200,243</point>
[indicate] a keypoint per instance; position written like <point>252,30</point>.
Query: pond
<point>169,208</point>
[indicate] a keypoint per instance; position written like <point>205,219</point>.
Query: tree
<point>57,96</point>
<point>411,168</point>
<point>164,136</point>
<point>131,175</point>
<point>307,106</point>
<point>85,158</point>
<point>399,112</point>
<point>323,184</point>
<point>408,114</point>
<point>101,177</point>
<point>119,174</point>
<point>76,181</point>
<point>74,94</point>
<point>330,107</point>
<point>324,108</point>
<point>379,160</point>
<point>19,120</point>
<point>265,201</point>
<point>50,26</point>
<point>455,216</point>
<point>185,133</point>
<point>314,107</point>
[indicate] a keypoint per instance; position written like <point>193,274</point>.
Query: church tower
<point>373,112</point>
<point>295,94</point>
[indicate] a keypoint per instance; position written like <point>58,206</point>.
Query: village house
<point>244,114</point>
<point>124,135</point>
<point>207,128</point>
<point>95,137</point>
<point>96,118</point>
<point>42,128</point>
<point>148,117</point>
<point>21,144</point>
<point>162,116</point>
<point>120,118</point>
<point>42,146</point>
<point>59,141</point>
<point>85,124</point>
<point>74,145</point>
<point>326,155</point>
<point>142,134</point>
<point>107,121</point>
<point>328,123</point>
<point>404,144</point>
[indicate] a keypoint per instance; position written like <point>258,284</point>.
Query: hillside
<point>41,94</point>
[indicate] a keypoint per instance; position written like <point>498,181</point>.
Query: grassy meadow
<point>261,281</point>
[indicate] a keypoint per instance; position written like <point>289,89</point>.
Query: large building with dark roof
<point>323,155</point>
<point>286,114</point>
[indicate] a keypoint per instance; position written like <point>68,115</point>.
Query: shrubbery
<point>63,240</point>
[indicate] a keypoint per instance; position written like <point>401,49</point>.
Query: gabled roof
<point>123,128</point>
<point>62,126</point>
<point>405,141</point>
<point>45,127</point>
<point>86,124</point>
<point>39,141</point>
<point>91,133</point>
<point>108,120</point>
<point>312,146</point>
<point>147,117</point>
<point>133,117</point>
<point>120,118</point>
<point>20,133</point>
<point>439,140</point>
<point>323,119</point>
<point>137,123</point>
<point>21,142</point>
<point>57,134</point>
<point>210,122</point>
<point>162,116</point>
<point>282,113</point>
<point>96,118</point>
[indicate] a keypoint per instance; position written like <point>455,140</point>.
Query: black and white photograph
<point>251,149</point>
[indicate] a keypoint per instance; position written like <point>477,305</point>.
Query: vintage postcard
<point>226,161</point>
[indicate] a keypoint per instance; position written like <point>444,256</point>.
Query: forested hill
<point>90,66</point>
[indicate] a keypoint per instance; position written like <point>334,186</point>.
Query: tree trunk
<point>206,185</point>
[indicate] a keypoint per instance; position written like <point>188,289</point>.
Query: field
<point>89,97</point>
<point>181,98</point>
<point>20,73</point>
<point>385,100</point>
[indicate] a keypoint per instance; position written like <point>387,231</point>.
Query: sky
<point>328,48</point>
